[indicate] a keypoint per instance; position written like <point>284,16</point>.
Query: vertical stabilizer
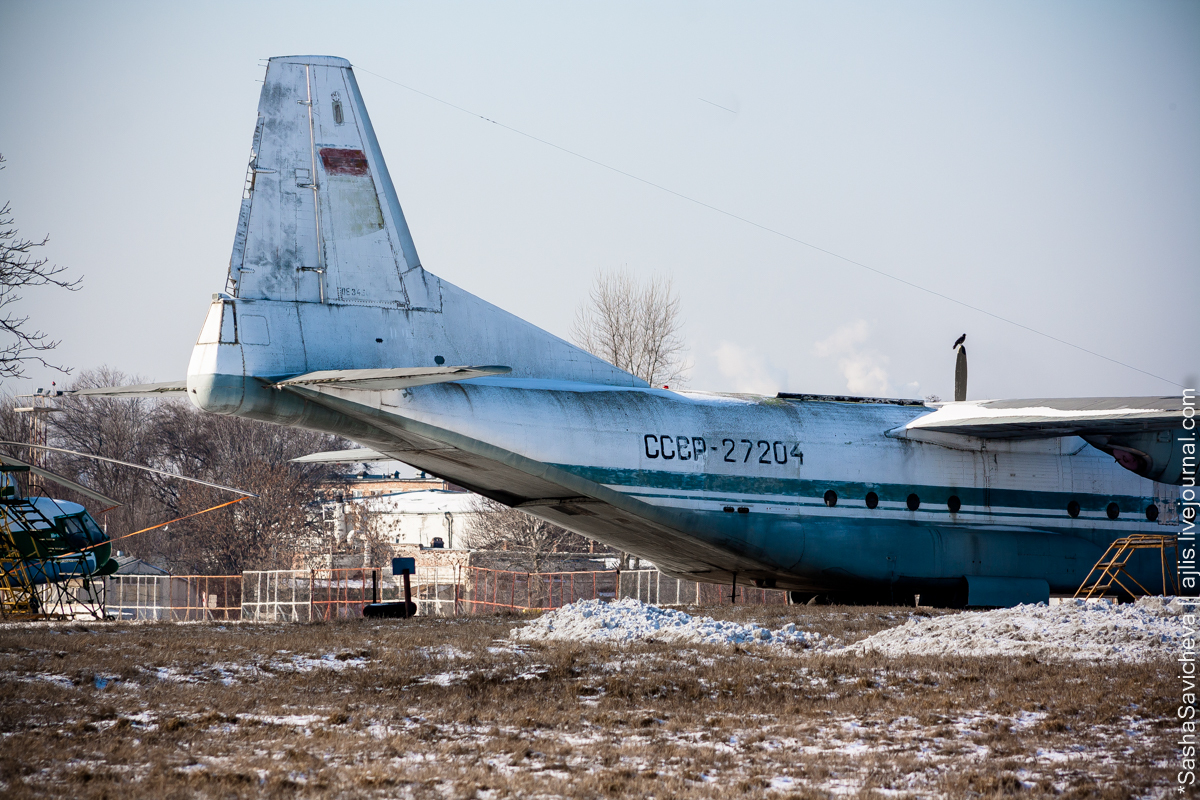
<point>324,274</point>
<point>320,221</point>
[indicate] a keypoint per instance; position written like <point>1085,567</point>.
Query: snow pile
<point>1148,629</point>
<point>632,620</point>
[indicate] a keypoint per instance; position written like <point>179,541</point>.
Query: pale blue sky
<point>1039,160</point>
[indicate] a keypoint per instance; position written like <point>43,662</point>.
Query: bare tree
<point>124,429</point>
<point>495,526</point>
<point>171,435</point>
<point>635,326</point>
<point>20,269</point>
<point>368,532</point>
<point>14,427</point>
<point>261,533</point>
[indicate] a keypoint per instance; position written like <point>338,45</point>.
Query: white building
<point>428,518</point>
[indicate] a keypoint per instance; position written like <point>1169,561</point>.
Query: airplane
<point>330,322</point>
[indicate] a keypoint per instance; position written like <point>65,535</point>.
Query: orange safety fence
<point>342,593</point>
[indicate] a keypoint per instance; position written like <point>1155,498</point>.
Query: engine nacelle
<point>1157,455</point>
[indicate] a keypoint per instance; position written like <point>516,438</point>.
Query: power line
<point>767,228</point>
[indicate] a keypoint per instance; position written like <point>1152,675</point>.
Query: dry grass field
<point>437,708</point>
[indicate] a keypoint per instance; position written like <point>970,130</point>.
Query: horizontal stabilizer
<point>385,379</point>
<point>353,456</point>
<point>139,390</point>
<point>1049,418</point>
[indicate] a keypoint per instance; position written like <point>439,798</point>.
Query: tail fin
<point>324,255</point>
<point>320,220</point>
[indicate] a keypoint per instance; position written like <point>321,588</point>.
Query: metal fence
<point>342,593</point>
<point>277,595</point>
<point>173,597</point>
<point>310,595</point>
<point>313,595</point>
<point>437,590</point>
<point>486,590</point>
<point>651,586</point>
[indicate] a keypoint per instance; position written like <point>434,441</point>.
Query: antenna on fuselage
<point>960,369</point>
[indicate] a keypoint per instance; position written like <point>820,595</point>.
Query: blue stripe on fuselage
<point>932,497</point>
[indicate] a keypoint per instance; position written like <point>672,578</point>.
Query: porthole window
<point>1152,512</point>
<point>872,500</point>
<point>954,504</point>
<point>1113,511</point>
<point>831,498</point>
<point>1073,509</point>
<point>913,502</point>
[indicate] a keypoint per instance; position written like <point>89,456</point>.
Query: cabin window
<point>913,502</point>
<point>831,498</point>
<point>1152,512</point>
<point>954,504</point>
<point>71,525</point>
<point>1113,511</point>
<point>872,500</point>
<point>1073,509</point>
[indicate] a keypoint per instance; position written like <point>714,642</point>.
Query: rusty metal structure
<point>1111,570</point>
<point>40,576</point>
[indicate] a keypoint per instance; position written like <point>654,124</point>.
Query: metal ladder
<point>1110,569</point>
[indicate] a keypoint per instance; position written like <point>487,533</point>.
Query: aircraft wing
<point>1051,418</point>
<point>383,379</point>
<point>352,456</point>
<point>137,390</point>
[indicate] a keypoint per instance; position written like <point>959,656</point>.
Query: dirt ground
<point>449,708</point>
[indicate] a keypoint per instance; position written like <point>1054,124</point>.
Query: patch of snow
<point>447,651</point>
<point>631,620</point>
<point>292,720</point>
<point>308,663</point>
<point>62,681</point>
<point>446,678</point>
<point>1148,629</point>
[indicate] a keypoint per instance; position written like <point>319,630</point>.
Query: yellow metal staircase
<point>1110,569</point>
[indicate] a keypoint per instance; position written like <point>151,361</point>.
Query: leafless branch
<point>634,326</point>
<point>20,269</point>
<point>495,526</point>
